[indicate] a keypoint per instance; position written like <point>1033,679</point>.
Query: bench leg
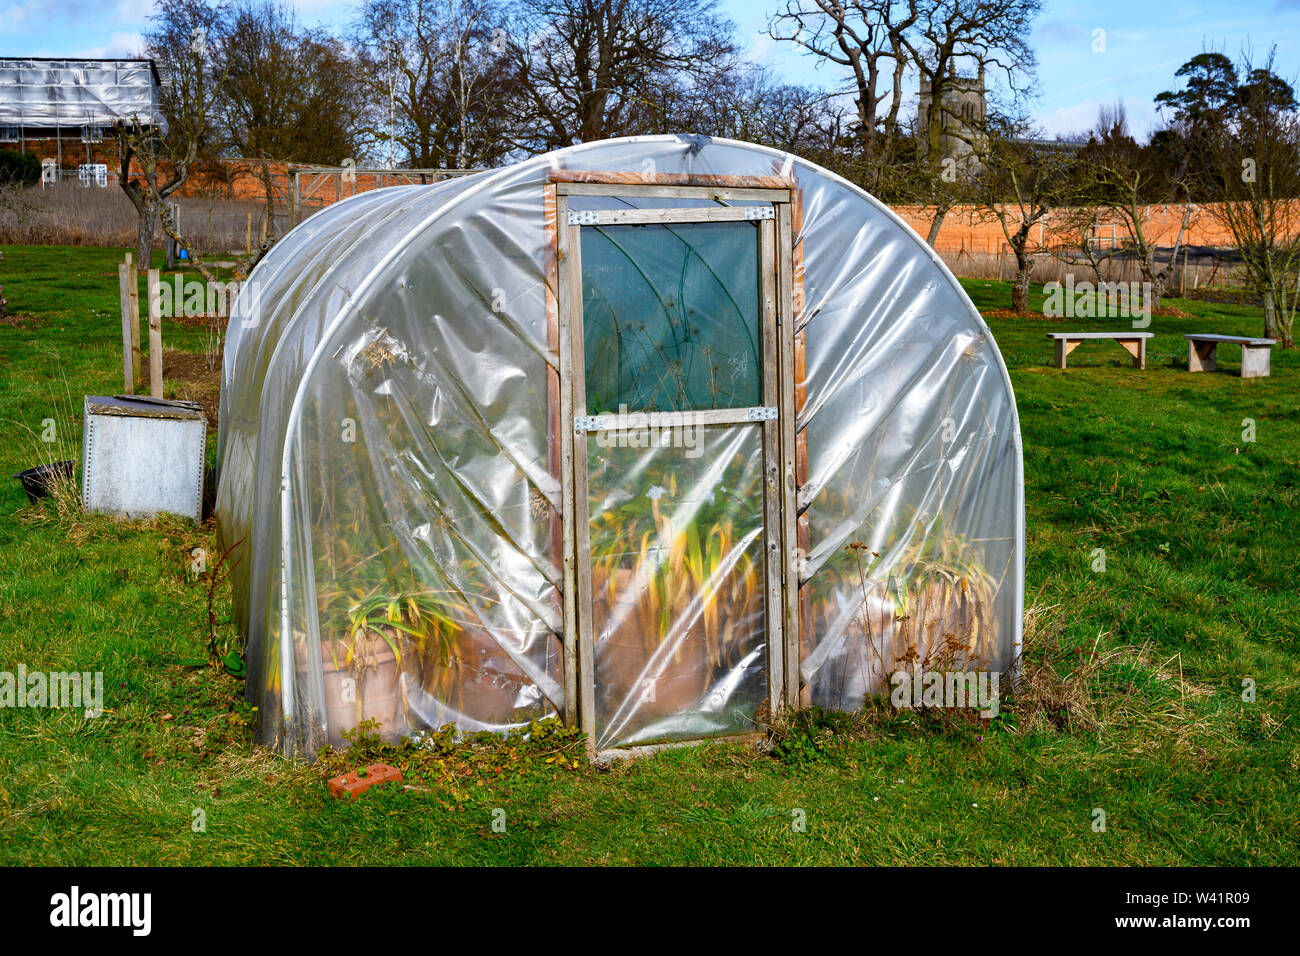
<point>1203,356</point>
<point>1061,353</point>
<point>1136,348</point>
<point>1255,361</point>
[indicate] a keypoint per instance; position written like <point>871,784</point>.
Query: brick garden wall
<point>965,232</point>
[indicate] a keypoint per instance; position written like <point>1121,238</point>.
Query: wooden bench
<point>1256,354</point>
<point>1135,343</point>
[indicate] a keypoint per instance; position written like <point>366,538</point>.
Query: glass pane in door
<point>678,607</point>
<point>671,316</point>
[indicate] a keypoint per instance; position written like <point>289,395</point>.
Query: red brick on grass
<point>353,784</point>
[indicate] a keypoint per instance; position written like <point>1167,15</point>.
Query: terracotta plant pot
<point>623,655</point>
<point>865,658</point>
<point>481,681</point>
<point>366,689</point>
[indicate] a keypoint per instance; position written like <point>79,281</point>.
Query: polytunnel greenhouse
<point>659,435</point>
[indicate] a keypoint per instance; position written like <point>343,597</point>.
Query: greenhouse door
<point>678,342</point>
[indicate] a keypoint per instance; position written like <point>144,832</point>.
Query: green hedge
<point>22,169</point>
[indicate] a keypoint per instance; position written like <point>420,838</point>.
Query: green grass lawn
<point>1199,529</point>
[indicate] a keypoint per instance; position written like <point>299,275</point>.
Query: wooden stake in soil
<point>133,294</point>
<point>155,335</point>
<point>124,297</point>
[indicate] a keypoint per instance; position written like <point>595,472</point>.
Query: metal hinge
<point>762,413</point>
<point>760,212</point>
<point>586,218</point>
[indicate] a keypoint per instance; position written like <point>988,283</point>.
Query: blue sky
<point>1145,42</point>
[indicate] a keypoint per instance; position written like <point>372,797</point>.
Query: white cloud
<point>1059,31</point>
<point>133,11</point>
<point>119,44</point>
<point>333,12</point>
<point>1072,119</point>
<point>17,16</point>
<point>1069,120</point>
<point>35,28</point>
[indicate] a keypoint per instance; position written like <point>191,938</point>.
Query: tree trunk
<point>145,226</point>
<point>1020,290</point>
<point>1270,317</point>
<point>268,214</point>
<point>935,225</point>
<point>1153,274</point>
<point>1157,281</point>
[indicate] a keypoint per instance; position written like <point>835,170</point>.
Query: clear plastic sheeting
<point>677,585</point>
<point>38,94</point>
<point>390,468</point>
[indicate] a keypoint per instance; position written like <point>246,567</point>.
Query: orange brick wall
<point>234,179</point>
<point>966,229</point>
<point>242,179</point>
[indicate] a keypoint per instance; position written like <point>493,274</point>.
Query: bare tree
<point>154,160</point>
<point>866,37</point>
<point>993,37</point>
<point>1119,180</point>
<point>992,34</point>
<point>593,69</point>
<point>1019,182</point>
<point>879,43</point>
<point>939,189</point>
<point>290,93</point>
<point>440,83</point>
<point>744,102</point>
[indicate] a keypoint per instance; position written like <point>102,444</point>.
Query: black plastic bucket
<point>38,482</point>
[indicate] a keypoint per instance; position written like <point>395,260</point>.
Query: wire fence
<point>1196,270</point>
<point>70,214</point>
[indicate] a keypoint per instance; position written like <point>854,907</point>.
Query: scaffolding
<point>75,101</point>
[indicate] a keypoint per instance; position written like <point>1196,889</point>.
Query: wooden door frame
<point>784,461</point>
